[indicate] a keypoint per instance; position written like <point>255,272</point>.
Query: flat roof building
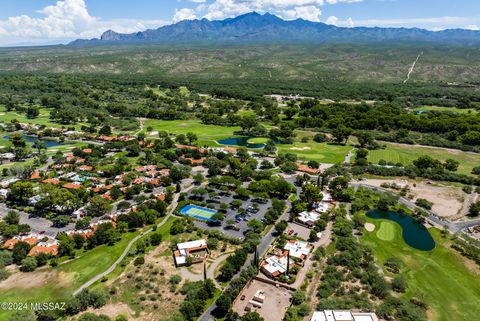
<point>298,249</point>
<point>343,315</point>
<point>196,250</point>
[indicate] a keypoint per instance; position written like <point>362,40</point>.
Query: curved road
<point>128,247</point>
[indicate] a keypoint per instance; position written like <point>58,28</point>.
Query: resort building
<point>341,315</point>
<point>298,249</point>
<point>190,252</point>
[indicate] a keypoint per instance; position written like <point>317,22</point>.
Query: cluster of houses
<point>309,217</point>
<point>39,243</point>
<point>283,260</point>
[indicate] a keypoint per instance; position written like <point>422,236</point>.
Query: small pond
<point>414,234</point>
<point>32,139</point>
<point>240,141</point>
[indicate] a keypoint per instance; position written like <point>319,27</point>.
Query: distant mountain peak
<point>268,28</point>
<point>110,35</point>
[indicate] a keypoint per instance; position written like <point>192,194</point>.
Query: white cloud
<point>332,20</point>
<point>287,9</point>
<point>66,20</point>
<point>472,27</point>
<point>431,23</point>
<point>184,14</point>
<point>311,13</point>
<point>349,23</point>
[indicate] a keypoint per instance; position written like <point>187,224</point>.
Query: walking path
<point>349,156</point>
<point>98,277</point>
<point>187,274</point>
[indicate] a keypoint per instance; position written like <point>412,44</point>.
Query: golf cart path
<point>98,277</point>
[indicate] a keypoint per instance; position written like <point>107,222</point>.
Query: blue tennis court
<point>201,213</point>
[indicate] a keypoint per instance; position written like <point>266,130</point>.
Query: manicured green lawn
<point>67,277</point>
<point>258,140</point>
<point>321,152</point>
<point>207,134</point>
<point>42,119</point>
<point>439,277</point>
<point>386,231</point>
<point>406,154</point>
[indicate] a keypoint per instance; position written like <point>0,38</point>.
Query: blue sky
<point>54,21</point>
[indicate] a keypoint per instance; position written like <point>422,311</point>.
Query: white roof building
<point>341,315</point>
<point>298,249</point>
<point>308,217</point>
<point>275,265</point>
<point>184,250</point>
<point>321,207</point>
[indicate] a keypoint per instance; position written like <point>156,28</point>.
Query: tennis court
<point>198,212</point>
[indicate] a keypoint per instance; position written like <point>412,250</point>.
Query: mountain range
<point>267,28</point>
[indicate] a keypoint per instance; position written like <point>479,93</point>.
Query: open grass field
<point>406,154</point>
<point>444,109</point>
<point>446,281</point>
<point>386,232</point>
<point>42,119</point>
<point>207,134</point>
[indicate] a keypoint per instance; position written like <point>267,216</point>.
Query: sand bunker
<point>300,148</point>
<point>370,227</point>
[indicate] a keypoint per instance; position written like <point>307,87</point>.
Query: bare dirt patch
<point>36,279</point>
<point>447,200</point>
<point>276,302</point>
<point>112,310</point>
<point>146,289</point>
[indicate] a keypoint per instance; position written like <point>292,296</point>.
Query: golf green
<point>386,232</point>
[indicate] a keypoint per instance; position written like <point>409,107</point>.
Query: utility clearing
<point>412,68</point>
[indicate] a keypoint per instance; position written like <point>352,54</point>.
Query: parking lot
<point>252,208</point>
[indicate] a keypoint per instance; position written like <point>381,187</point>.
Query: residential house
<point>275,265</point>
<point>193,251</point>
<point>298,249</point>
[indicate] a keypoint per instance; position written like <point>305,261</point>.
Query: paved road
<point>262,250</point>
<point>129,246</point>
<point>453,227</point>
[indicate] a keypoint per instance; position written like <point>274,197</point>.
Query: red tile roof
<point>71,186</point>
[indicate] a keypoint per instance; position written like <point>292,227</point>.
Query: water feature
<point>240,141</point>
<point>414,234</point>
<point>32,139</point>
